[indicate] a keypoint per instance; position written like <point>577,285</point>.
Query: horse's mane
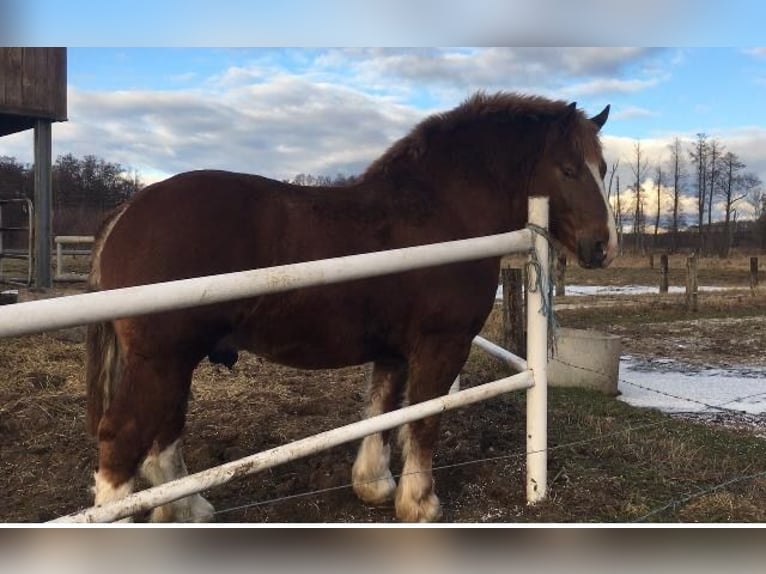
<point>501,105</point>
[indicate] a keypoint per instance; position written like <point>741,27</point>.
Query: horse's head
<point>572,173</point>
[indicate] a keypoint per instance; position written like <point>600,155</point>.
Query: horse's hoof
<point>427,509</point>
<point>190,509</point>
<point>201,510</point>
<point>375,491</point>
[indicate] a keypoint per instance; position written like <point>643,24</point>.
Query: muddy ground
<point>47,459</point>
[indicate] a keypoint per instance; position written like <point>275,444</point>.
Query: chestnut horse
<point>464,173</point>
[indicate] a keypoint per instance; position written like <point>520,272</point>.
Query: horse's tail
<point>103,372</point>
<point>104,361</point>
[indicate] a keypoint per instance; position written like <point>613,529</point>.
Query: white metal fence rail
<point>60,241</point>
<point>50,314</point>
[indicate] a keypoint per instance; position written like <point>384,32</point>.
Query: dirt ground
<point>47,459</point>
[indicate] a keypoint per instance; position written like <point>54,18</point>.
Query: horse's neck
<point>485,205</point>
<point>489,184</point>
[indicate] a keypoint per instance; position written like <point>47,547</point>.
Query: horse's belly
<point>303,353</point>
<point>319,340</point>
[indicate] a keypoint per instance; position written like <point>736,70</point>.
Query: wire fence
<point>669,505</point>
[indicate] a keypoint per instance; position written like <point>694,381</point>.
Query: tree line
<point>83,189</point>
<point>86,188</point>
<point>89,182</point>
<point>310,180</point>
<point>703,169</point>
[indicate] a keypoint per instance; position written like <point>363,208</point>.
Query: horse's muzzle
<point>593,254</point>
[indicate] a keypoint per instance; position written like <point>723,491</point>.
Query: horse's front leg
<point>371,475</point>
<point>166,463</point>
<point>432,370</point>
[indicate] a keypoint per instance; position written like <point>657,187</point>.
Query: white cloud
<point>453,72</point>
<point>277,129</point>
<point>184,77</point>
<point>759,52</point>
<point>344,110</point>
<point>631,112</point>
<point>335,111</point>
<point>608,86</point>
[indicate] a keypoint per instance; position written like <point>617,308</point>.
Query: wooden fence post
<point>753,273</point>
<point>561,272</point>
<point>691,283</point>
<point>514,338</point>
<point>664,273</point>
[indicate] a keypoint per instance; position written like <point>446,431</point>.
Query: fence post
<point>43,195</point>
<point>537,357</point>
<point>651,261</point>
<point>691,283</point>
<point>561,272</point>
<point>664,273</point>
<point>59,259</point>
<point>513,311</point>
<point>753,273</point>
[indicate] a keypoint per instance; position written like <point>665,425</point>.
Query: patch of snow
<point>672,386</point>
<point>583,290</point>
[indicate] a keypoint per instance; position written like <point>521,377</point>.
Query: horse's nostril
<point>599,253</point>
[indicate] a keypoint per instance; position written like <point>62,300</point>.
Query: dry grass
<point>635,270</point>
<point>608,462</point>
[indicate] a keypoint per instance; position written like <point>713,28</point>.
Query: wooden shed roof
<point>32,86</point>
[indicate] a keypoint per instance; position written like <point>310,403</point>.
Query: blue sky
<point>665,91</point>
<point>197,99</point>
<point>385,22</point>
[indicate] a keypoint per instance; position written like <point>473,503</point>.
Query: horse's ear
<point>571,108</point>
<point>600,119</point>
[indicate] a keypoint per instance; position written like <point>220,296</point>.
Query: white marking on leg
<point>370,475</point>
<point>162,467</point>
<point>611,251</point>
<point>415,497</point>
<point>104,491</point>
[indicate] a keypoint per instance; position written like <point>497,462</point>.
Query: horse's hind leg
<point>433,368</point>
<point>370,474</point>
<point>127,428</point>
<point>145,419</point>
<point>165,461</point>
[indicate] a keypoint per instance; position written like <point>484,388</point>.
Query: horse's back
<point>210,222</point>
<point>193,224</point>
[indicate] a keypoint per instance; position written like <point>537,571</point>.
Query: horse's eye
<point>569,171</point>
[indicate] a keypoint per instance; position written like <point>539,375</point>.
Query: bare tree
<point>756,200</point>
<point>617,206</point>
<point>638,168</point>
<point>698,155</point>
<point>677,169</point>
<point>658,174</point>
<point>735,185</point>
<point>715,151</point>
<point>732,167</point>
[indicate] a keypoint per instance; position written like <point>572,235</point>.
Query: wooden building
<point>33,83</point>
